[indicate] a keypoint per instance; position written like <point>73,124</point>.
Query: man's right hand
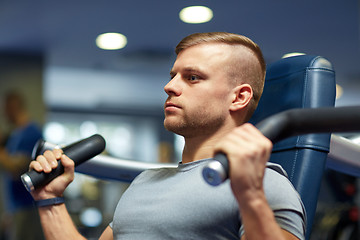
<point>46,163</point>
<point>55,219</point>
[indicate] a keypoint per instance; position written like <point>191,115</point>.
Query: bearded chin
<point>195,127</point>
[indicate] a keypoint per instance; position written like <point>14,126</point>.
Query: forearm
<point>57,223</point>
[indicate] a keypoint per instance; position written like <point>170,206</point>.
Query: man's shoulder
<point>279,190</point>
<point>154,174</point>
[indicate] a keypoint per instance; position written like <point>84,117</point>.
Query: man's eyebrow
<point>188,70</point>
<point>192,69</point>
<point>197,71</point>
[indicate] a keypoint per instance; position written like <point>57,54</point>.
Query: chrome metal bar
<point>110,168</point>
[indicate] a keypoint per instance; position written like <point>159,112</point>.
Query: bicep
<point>107,234</point>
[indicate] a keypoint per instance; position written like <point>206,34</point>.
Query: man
<point>216,82</point>
<point>15,157</point>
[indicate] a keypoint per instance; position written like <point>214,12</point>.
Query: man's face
<point>199,92</point>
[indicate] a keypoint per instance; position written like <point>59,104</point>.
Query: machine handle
<point>79,152</point>
<point>291,123</point>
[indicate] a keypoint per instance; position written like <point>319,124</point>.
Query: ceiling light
<point>293,54</point>
<point>196,14</point>
<point>111,41</point>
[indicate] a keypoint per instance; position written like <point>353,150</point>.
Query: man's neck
<point>201,147</point>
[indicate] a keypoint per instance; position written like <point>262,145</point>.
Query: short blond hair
<point>254,76</point>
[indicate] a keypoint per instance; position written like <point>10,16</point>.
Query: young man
<point>216,82</point>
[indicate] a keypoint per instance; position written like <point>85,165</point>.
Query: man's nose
<point>173,87</point>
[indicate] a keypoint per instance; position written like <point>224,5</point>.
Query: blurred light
<point>339,91</point>
<point>91,217</point>
<point>120,142</point>
<point>356,140</point>
<point>293,54</point>
<point>54,132</point>
<point>111,41</point>
<point>87,129</point>
<point>196,14</point>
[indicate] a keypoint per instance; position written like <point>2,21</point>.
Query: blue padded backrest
<point>300,82</point>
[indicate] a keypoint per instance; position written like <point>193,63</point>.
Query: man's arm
<point>55,219</point>
<point>259,221</point>
<point>57,224</point>
<point>107,234</point>
<point>248,152</point>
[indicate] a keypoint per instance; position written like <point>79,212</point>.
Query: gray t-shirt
<point>176,203</point>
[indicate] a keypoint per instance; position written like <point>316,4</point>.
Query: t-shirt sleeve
<point>285,202</point>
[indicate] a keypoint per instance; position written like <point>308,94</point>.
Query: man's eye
<point>193,77</point>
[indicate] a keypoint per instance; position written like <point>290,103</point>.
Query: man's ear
<point>241,97</point>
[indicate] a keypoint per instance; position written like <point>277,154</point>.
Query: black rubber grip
<point>79,152</point>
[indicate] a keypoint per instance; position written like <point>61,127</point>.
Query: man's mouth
<point>170,105</point>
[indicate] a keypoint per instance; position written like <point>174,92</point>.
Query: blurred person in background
<point>20,216</point>
<point>3,222</point>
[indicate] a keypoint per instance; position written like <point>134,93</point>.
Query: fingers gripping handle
<point>290,123</point>
<point>79,152</point>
